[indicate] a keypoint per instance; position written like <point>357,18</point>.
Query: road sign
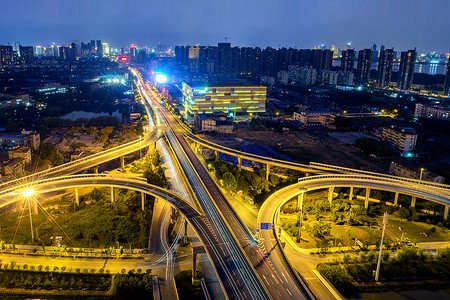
<point>266,226</point>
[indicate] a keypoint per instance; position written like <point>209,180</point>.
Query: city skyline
<point>403,25</point>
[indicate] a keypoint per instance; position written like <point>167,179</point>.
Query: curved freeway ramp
<point>88,161</point>
<point>208,234</point>
<point>271,207</point>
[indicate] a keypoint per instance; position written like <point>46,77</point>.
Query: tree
<point>156,158</point>
<point>342,122</point>
<point>321,233</point>
<point>48,151</point>
<point>229,181</point>
<point>403,213</point>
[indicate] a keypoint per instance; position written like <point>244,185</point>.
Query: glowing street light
<point>28,193</point>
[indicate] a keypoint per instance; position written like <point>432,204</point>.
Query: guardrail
<point>75,162</point>
<point>399,181</point>
<point>81,176</point>
<point>417,181</point>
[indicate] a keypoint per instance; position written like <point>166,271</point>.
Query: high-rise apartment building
<point>385,64</point>
<point>364,66</point>
<point>322,59</point>
<point>224,57</point>
<point>232,100</point>
<point>26,54</point>
<point>447,79</point>
<point>6,56</point>
<point>348,60</point>
<point>406,70</point>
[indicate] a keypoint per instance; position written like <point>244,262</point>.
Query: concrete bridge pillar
<point>96,169</point>
<point>111,189</point>
<point>396,198</point>
<point>413,201</point>
<point>366,202</point>
<point>330,194</point>
<point>240,163</point>
<point>77,199</point>
<point>268,172</point>
<point>446,212</point>
<point>143,200</point>
<point>217,153</point>
<point>300,199</point>
<point>351,193</point>
<point>196,250</point>
<point>122,162</point>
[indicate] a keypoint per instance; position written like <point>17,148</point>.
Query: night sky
<point>403,24</point>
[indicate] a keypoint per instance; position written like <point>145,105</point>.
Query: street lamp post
<point>28,194</point>
<point>302,195</point>
<point>421,173</point>
<point>31,220</point>
<point>385,222</point>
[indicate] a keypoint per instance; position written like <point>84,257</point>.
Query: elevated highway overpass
<point>273,237</point>
<point>231,275</point>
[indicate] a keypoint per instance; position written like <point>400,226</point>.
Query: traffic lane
<point>269,277</point>
<point>203,198</point>
<point>225,228</point>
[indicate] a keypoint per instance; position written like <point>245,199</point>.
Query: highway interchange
<point>245,269</point>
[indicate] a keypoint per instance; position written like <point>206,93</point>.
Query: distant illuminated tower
<point>447,79</point>
<point>364,66</point>
<point>385,63</point>
<point>406,70</point>
<point>133,50</point>
<point>348,60</point>
<point>99,51</point>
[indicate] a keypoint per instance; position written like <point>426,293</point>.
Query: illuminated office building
<point>232,100</point>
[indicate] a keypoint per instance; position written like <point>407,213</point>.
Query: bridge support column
<point>351,194</point>
<point>111,189</point>
<point>446,211</point>
<point>268,172</point>
<point>413,201</point>
<point>396,198</point>
<point>96,169</point>
<point>195,251</point>
<point>217,153</point>
<point>143,200</point>
<point>330,194</point>
<point>122,162</point>
<point>240,163</point>
<point>77,199</point>
<point>300,200</point>
<point>366,202</point>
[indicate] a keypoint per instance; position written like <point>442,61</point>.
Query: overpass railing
<point>435,191</point>
<point>380,175</point>
<point>41,174</point>
<point>14,190</point>
<point>315,166</point>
